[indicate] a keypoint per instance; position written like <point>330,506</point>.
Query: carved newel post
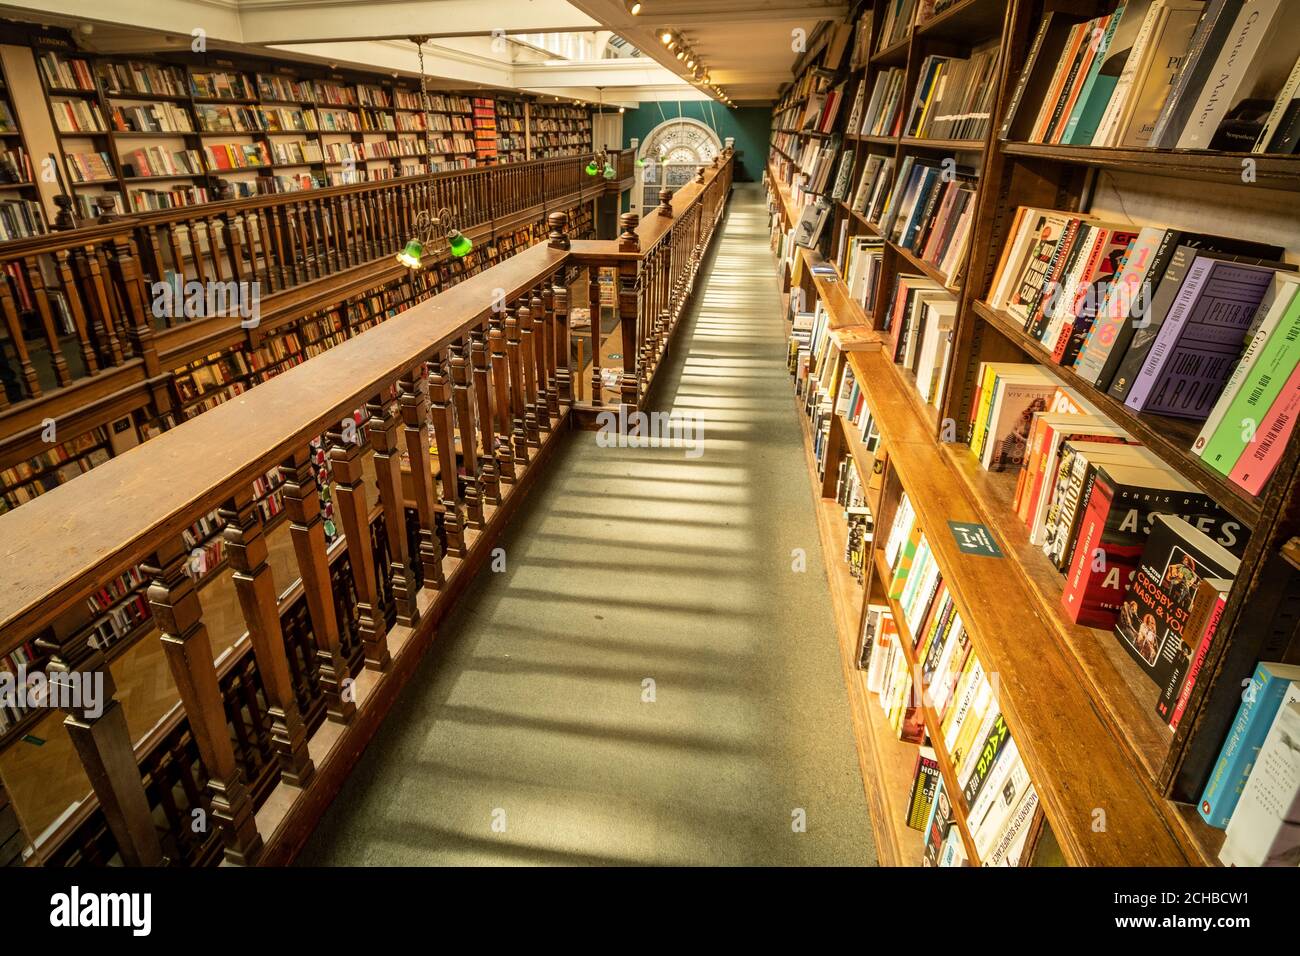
<point>558,237</point>
<point>628,241</point>
<point>666,202</point>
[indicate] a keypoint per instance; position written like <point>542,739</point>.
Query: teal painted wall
<point>751,127</point>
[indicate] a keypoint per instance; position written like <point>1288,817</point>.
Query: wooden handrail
<point>57,547</point>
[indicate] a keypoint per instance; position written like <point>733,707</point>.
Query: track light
<point>667,39</point>
<point>633,7</point>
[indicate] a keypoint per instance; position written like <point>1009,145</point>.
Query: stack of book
<point>1172,74</point>
<point>153,118</point>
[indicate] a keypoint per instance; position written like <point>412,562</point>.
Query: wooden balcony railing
<point>472,387</point>
<point>77,303</point>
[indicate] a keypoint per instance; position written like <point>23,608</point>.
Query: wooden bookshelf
<point>1079,707</point>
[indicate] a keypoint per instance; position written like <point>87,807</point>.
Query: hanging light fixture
<point>429,224</point>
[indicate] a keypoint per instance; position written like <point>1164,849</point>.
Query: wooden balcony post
<point>354,512</point>
<point>307,531</point>
<point>528,361</point>
<point>559,235</point>
<point>629,307</point>
<point>665,207</point>
<point>463,400</point>
<point>14,326</point>
<point>382,423</point>
<point>563,359</point>
<point>255,588</point>
<point>478,353</point>
<point>81,683</point>
<point>179,618</point>
<point>415,402</point>
<point>501,400</point>
<point>518,396</point>
<point>444,436</point>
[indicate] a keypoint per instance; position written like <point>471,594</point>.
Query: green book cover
<point>1255,396</point>
<point>1088,108</point>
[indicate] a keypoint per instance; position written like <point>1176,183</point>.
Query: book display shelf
<point>143,133</point>
<point>20,208</point>
<point>998,503</point>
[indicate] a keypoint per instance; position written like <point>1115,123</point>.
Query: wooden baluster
<point>15,328</point>
<point>179,617</point>
<point>461,396</point>
<point>563,358</point>
<point>382,423</point>
<point>593,308</point>
<point>306,244</point>
<point>198,244</point>
<point>549,358</point>
<point>478,353</point>
<point>255,587</point>
<point>178,237</point>
<point>319,230</point>
<point>628,309</point>
<point>216,243</point>
<point>92,284</point>
<point>518,397</point>
<point>414,401</point>
<point>501,399</point>
<point>350,504</point>
<point>528,362</point>
<point>42,299</point>
<point>270,259</point>
<point>539,342</point>
<point>234,230</point>
<point>444,432</point>
<point>82,685</point>
<point>286,245</point>
<point>307,531</point>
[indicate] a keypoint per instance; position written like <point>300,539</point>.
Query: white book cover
<point>1110,119</point>
<point>1151,88</point>
<point>941,314</point>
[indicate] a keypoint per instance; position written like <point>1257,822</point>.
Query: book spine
<point>1148,319</point>
<point>1223,84</point>
<point>1215,23</point>
<point>1043,27</point>
<point>1258,705</point>
<point>1185,692</point>
<point>1083,118</point>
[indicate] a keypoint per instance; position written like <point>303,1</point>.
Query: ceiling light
<point>666,37</point>
<point>634,7</point>
<point>690,64</point>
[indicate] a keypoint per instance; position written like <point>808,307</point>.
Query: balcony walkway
<point>526,737</point>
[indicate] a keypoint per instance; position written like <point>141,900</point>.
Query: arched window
<point>672,152</point>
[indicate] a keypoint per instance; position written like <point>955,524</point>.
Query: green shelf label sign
<point>974,538</point>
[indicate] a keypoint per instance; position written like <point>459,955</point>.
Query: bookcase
<point>20,208</point>
<point>558,129</point>
<point>511,128</point>
<point>898,329</point>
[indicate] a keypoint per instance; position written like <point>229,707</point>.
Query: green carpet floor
<point>525,737</point>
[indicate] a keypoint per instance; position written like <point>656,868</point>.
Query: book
<point>1257,463</point>
<point>1054,30</point>
<point>1152,85</point>
<point>1285,97</point>
<point>938,824</point>
<point>1197,635</point>
<point>1132,18</point>
<point>1270,686</point>
<point>1089,105</point>
<point>1200,339</point>
<point>924,784</point>
<point>1244,415</point>
<point>1265,825</point>
<point>1176,558</point>
<point>1138,61</point>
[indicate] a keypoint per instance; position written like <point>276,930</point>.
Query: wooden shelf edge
<point>1073,757</point>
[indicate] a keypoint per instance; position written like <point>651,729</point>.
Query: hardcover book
<point>1177,557</point>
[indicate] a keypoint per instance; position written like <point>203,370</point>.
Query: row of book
<point>949,680</point>
<point>932,214</point>
<point>24,480</point>
<point>66,73</point>
<point>15,166</point>
<point>1170,74</point>
<point>1169,321</point>
<point>90,167</point>
<point>954,95</point>
<point>227,156</point>
<point>141,78</point>
<point>20,218</point>
<point>221,85</point>
<point>148,200</point>
<point>77,116</point>
<point>153,118</point>
<point>159,161</point>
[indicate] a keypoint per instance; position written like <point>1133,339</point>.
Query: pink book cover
<point>1257,462</point>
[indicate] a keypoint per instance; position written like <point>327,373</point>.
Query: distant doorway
<point>672,153</point>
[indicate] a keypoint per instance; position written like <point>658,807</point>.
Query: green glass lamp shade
<point>640,161</point>
<point>410,256</point>
<point>609,172</point>
<point>592,168</point>
<point>460,244</point>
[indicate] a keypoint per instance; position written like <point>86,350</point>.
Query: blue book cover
<point>1084,118</point>
<point>914,220</point>
<point>1260,703</point>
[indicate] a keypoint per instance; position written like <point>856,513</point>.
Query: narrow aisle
<point>649,680</point>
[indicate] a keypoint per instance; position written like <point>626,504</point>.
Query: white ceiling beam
<point>307,21</point>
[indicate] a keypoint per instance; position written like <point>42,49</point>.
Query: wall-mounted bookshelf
<point>928,205</point>
<point>21,213</point>
<point>558,129</point>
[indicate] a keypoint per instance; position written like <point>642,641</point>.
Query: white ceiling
<point>748,46</point>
